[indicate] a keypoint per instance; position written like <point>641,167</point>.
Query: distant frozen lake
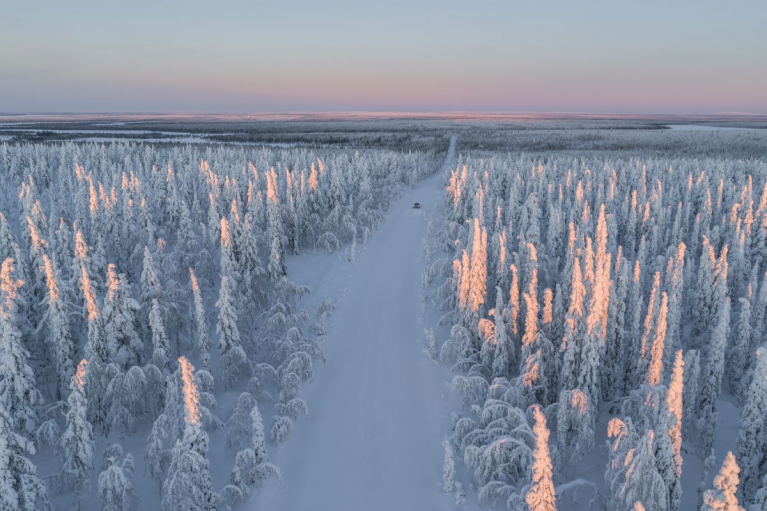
<point>704,127</point>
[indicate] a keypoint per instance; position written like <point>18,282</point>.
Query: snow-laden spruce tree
<point>18,389</point>
<point>631,472</point>
<point>239,425</point>
<point>478,269</point>
<point>675,273</point>
<point>227,259</point>
<point>20,487</point>
<point>203,343</point>
<point>575,332</point>
<point>124,397</point>
<point>83,259</point>
<point>252,464</point>
<point>752,439</point>
<point>674,400</point>
<point>276,267</point>
<point>575,426</point>
<point>713,374</point>
<point>651,318</point>
<point>77,439</point>
<point>250,262</point>
<point>61,342</point>
<point>119,321</point>
<point>8,241</point>
<point>188,484</point>
<point>504,357</point>
<point>96,352</point>
<point>117,491</point>
<point>151,289</point>
<point>723,497</point>
<point>541,495</point>
<point>232,354</point>
<point>616,345</point>
<point>160,344</point>
<point>739,355</point>
<point>654,374</point>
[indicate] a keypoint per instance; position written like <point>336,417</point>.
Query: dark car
<point>416,206</point>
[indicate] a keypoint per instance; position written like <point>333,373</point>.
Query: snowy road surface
<point>378,411</point>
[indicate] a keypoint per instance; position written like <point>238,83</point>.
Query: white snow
<point>704,127</point>
<point>379,409</point>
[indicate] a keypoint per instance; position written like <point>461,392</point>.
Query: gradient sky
<point>621,56</point>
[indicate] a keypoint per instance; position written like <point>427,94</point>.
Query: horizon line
<point>385,113</point>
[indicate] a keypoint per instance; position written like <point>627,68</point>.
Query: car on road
<point>416,206</point>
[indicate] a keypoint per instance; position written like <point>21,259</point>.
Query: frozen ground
<point>379,409</point>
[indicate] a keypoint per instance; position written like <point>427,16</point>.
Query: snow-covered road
<point>378,410</point>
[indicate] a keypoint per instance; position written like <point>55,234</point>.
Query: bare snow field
<point>249,313</point>
<point>704,127</point>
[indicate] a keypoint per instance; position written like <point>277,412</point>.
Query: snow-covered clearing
<point>379,408</point>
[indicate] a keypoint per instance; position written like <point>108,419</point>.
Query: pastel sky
<point>619,56</point>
